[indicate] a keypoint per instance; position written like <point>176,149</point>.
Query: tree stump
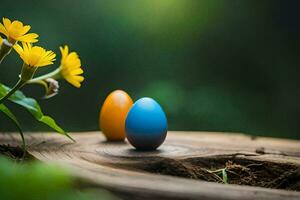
<point>186,166</point>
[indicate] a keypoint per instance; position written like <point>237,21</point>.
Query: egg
<point>113,114</point>
<point>146,124</point>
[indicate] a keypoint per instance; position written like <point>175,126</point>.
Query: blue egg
<point>146,124</point>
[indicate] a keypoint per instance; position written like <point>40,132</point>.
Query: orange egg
<point>113,114</point>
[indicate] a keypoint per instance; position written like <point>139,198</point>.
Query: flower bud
<point>52,88</point>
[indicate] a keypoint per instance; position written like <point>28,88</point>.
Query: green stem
<point>54,74</point>
<point>22,137</point>
<point>19,84</point>
<point>223,172</point>
<point>43,83</point>
<point>23,145</point>
<point>23,141</point>
<point>215,171</point>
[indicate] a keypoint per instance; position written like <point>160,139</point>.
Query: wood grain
<point>121,169</point>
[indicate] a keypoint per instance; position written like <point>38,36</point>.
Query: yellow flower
<point>35,56</point>
<point>71,67</point>
<point>1,41</point>
<point>15,31</point>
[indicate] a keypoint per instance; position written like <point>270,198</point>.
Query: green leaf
<point>224,175</point>
<point>13,118</point>
<point>33,107</point>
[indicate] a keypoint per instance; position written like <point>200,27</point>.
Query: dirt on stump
<point>15,153</point>
<point>238,170</point>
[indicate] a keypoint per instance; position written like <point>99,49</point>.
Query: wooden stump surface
<point>132,174</point>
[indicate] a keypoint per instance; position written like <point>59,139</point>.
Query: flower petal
<point>3,30</point>
<point>30,38</point>
<point>44,63</point>
<point>6,22</point>
<point>64,53</point>
<point>77,71</point>
<point>73,82</point>
<point>18,49</point>
<point>25,29</point>
<point>78,78</point>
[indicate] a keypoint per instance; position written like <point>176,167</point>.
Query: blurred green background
<point>213,65</point>
<point>36,180</point>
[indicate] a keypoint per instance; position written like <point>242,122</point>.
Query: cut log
<point>186,166</point>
